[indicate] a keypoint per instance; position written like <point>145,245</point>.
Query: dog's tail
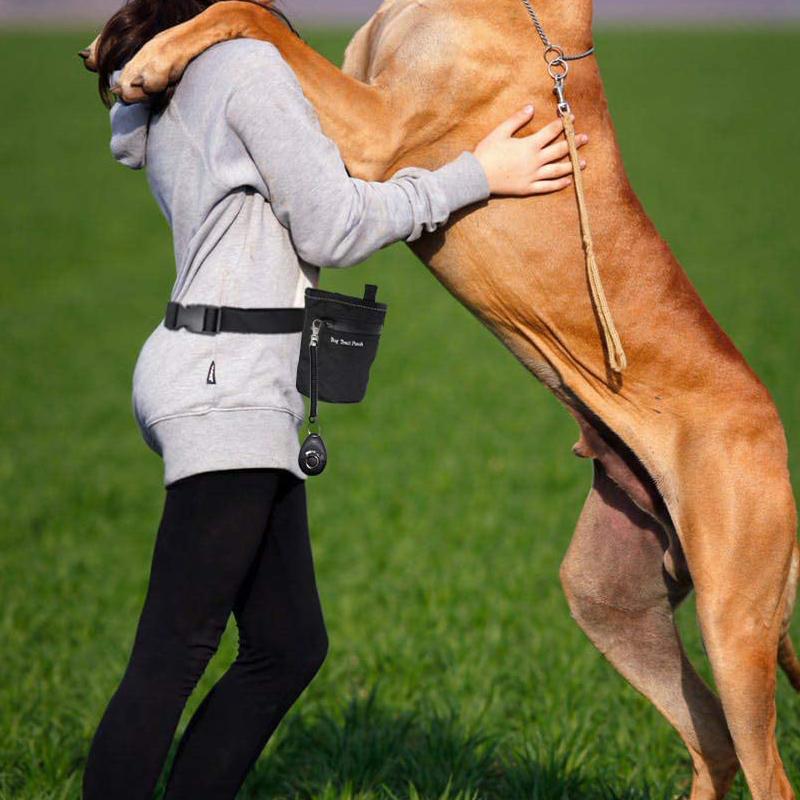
<point>787,658</point>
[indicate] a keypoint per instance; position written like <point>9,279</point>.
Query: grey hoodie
<point>258,199</point>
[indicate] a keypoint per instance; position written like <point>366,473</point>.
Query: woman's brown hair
<point>136,23</point>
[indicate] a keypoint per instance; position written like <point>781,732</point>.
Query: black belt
<point>224,319</point>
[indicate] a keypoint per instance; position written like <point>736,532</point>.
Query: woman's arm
<point>336,220</point>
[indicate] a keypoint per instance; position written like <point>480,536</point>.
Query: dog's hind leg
<point>622,597</point>
<point>787,658</point>
<point>739,546</point>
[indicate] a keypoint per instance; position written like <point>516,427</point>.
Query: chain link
<point>543,36</point>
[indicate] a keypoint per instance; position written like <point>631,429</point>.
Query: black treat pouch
<point>339,344</point>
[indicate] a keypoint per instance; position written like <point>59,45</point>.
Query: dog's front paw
<point>89,56</point>
<point>129,87</point>
<point>148,72</point>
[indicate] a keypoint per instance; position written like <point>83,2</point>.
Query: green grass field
<point>455,670</point>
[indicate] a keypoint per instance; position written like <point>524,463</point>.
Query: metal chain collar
<point>546,42</point>
<point>557,60</point>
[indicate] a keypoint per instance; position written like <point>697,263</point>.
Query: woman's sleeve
<point>335,220</point>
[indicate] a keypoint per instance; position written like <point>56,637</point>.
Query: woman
<point>258,199</point>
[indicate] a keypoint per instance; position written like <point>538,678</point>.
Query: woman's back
<point>229,247</point>
<point>237,392</point>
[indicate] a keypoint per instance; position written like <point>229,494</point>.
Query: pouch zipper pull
<point>313,342</point>
<point>315,328</point>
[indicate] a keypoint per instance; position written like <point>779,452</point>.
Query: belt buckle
<point>171,316</point>
<point>192,318</point>
<point>195,318</point>
<point>212,320</point>
<point>200,319</point>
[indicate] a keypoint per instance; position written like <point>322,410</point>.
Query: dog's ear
<point>89,56</point>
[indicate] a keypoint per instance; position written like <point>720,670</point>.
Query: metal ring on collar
<point>557,65</point>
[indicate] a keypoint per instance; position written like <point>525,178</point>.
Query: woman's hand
<point>530,164</point>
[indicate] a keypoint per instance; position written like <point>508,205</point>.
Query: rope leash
<point>558,68</point>
<point>616,355</point>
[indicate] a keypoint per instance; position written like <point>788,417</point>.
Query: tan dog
<point>691,488</point>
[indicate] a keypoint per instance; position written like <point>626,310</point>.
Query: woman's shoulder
<point>230,64</point>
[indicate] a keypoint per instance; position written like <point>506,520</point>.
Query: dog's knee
<point>575,585</point>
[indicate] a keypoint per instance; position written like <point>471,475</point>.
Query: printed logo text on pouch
<point>211,378</point>
<point>346,342</point>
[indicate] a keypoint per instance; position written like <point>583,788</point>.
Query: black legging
<point>228,541</point>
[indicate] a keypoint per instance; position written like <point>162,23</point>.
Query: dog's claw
<point>89,56</point>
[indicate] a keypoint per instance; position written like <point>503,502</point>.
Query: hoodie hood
<point>130,125</point>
